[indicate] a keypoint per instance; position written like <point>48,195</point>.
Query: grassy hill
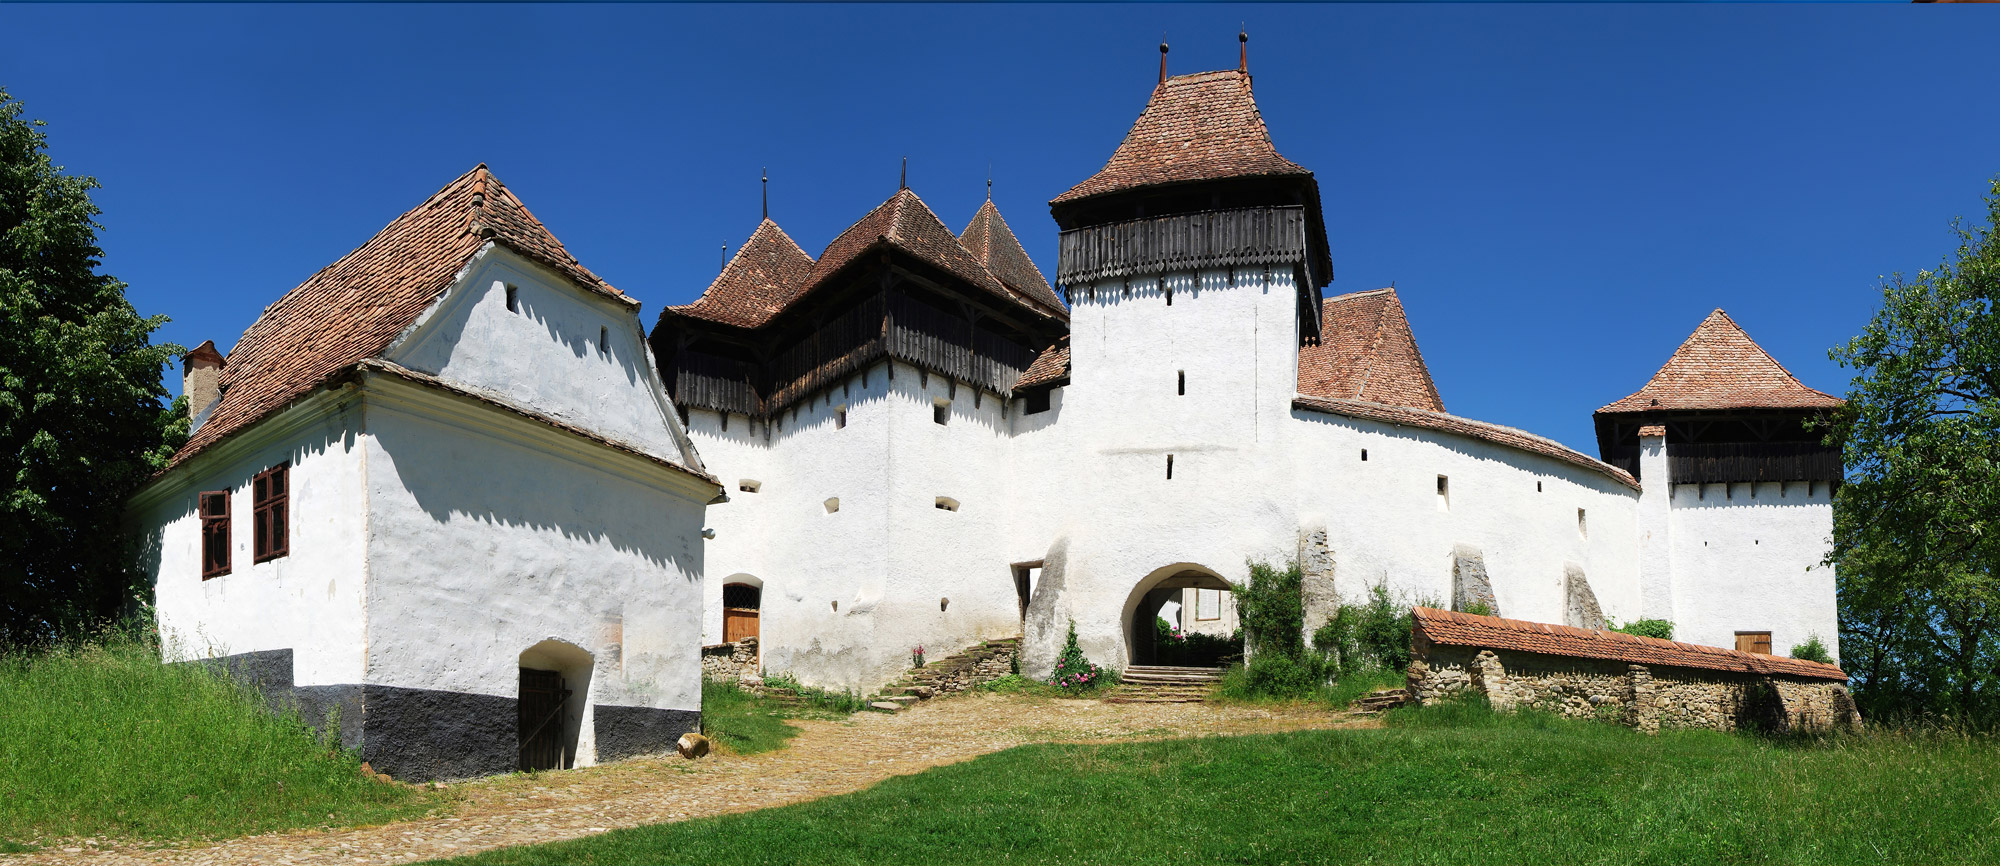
<point>104,740</point>
<point>1441,785</point>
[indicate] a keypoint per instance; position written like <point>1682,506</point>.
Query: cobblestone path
<point>826,758</point>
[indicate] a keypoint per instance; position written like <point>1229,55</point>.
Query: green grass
<point>1446,785</point>
<point>103,740</point>
<point>743,722</point>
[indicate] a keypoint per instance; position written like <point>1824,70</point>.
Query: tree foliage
<point>81,420</point>
<point>1917,525</point>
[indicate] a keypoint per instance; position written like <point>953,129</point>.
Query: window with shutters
<point>1754,642</point>
<point>270,498</point>
<point>214,506</point>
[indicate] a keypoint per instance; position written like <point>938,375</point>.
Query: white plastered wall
<point>310,601</point>
<point>489,534</point>
<point>1751,563</point>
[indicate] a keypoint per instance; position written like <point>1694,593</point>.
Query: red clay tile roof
<point>1720,367</point>
<point>1494,433</point>
<point>905,223</point>
<point>1050,366</point>
<point>353,308</point>
<point>1195,127</point>
<point>1366,352</point>
<point>994,245</point>
<point>1491,632</point>
<point>768,272</point>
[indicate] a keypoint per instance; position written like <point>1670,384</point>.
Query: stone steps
<point>944,675</point>
<point>1378,701</point>
<point>1164,684</point>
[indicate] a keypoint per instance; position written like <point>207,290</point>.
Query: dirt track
<point>826,758</point>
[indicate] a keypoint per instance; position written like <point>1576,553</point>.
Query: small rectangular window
<point>1170,467</point>
<point>941,411</point>
<point>603,340</point>
<point>1207,604</point>
<point>749,485</point>
<point>1444,493</point>
<point>1754,642</point>
<point>513,299</point>
<point>1183,383</point>
<point>214,506</point>
<point>840,418</point>
<point>1364,455</point>
<point>270,503</point>
<point>1037,402</point>
<point>1582,528</point>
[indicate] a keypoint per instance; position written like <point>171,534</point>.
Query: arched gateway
<point>1178,585</point>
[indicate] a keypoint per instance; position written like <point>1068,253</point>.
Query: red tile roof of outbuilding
<point>1452,628</point>
<point>1720,367</point>
<point>1204,126</point>
<point>354,308</point>
<point>1051,365</point>
<point>1367,352</point>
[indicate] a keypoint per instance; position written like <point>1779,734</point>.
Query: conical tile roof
<point>765,275</point>
<point>1367,352</point>
<point>1720,367</point>
<point>354,308</point>
<point>990,241</point>
<point>1197,127</point>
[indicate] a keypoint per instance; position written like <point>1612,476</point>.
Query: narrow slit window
<point>1170,467</point>
<point>513,299</point>
<point>1444,493</point>
<point>214,533</point>
<point>840,418</point>
<point>941,411</point>
<point>725,421</point>
<point>1582,527</point>
<point>603,340</point>
<point>270,509</point>
<point>1183,383</point>
<point>1170,296</point>
<point>1364,455</point>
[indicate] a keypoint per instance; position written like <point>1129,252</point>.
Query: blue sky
<point>1559,192</point>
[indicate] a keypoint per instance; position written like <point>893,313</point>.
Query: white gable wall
<point>545,355</point>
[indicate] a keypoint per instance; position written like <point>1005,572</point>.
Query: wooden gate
<point>543,697</point>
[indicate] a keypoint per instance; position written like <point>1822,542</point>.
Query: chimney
<point>201,382</point>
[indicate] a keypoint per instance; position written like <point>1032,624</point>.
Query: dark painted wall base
<point>422,735</point>
<point>626,731</point>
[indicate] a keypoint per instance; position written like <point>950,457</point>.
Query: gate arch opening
<point>1189,589</point>
<point>555,688</point>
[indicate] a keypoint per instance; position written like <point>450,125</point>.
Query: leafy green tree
<point>1917,525</point>
<point>81,420</point>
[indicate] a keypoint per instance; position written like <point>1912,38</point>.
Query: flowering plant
<point>917,656</point>
<point>1074,672</point>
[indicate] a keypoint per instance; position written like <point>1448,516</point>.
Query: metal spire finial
<point>989,182</point>
<point>1243,50</point>
<point>725,258</point>
<point>903,182</point>
<point>1163,58</point>
<point>767,193</point>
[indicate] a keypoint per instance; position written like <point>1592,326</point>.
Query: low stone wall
<point>729,661</point>
<point>1647,697</point>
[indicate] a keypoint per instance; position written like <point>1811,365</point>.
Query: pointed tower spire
<point>1163,60</point>
<point>1243,51</point>
<point>767,193</point>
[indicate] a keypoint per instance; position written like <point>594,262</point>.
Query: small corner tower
<point>1737,493</point>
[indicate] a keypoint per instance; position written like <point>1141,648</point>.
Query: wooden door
<point>543,696</point>
<point>738,623</point>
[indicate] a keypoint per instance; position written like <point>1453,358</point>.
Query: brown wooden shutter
<point>1754,642</point>
<point>214,508</point>
<point>270,499</point>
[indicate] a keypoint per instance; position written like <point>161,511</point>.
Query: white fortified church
<point>449,488</point>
